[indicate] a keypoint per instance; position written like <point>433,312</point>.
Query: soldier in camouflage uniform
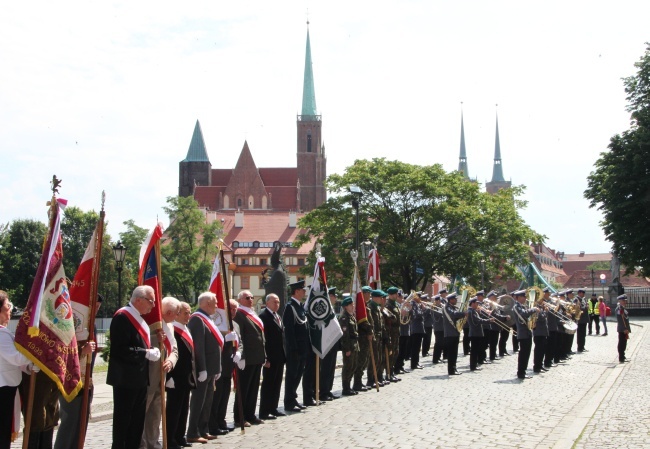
<point>392,325</point>
<point>381,338</point>
<point>365,336</point>
<point>349,345</point>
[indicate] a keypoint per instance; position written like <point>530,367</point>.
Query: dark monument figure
<point>277,282</point>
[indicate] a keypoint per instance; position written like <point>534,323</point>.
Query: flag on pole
<point>149,274</point>
<point>46,334</point>
<point>324,330</point>
<point>80,289</point>
<point>374,280</point>
<point>216,287</point>
<point>359,304</point>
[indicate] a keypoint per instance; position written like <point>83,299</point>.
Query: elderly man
<point>165,335</point>
<point>272,376</point>
<point>208,344</point>
<point>180,380</point>
<point>252,358</point>
<point>623,327</point>
<point>297,345</point>
<point>128,367</point>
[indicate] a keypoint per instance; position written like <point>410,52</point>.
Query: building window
<point>244,261</point>
<point>239,202</point>
<point>309,142</point>
<point>245,282</point>
<point>235,244</point>
<point>301,261</point>
<point>256,244</point>
<point>263,262</point>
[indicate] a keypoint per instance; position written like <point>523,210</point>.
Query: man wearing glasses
<point>128,367</point>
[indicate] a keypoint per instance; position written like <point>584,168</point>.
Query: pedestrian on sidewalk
<point>602,312</point>
<point>623,327</point>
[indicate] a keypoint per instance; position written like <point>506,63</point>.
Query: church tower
<point>195,169</point>
<point>462,160</point>
<point>310,148</point>
<point>498,182</point>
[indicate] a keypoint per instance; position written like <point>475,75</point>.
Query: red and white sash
<point>169,336</point>
<point>213,328</point>
<point>251,316</point>
<point>138,322</point>
<point>185,335</point>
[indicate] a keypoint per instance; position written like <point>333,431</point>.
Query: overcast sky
<point>106,96</point>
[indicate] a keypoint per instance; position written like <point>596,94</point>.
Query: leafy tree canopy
<point>620,184</point>
<point>426,222</point>
<point>189,250</point>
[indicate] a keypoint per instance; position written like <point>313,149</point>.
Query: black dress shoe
<point>435,362</point>
<point>395,379</point>
<point>277,413</point>
<point>265,417</point>
<point>184,443</point>
<point>324,398</point>
<point>527,376</point>
<point>332,397</point>
<point>476,369</point>
<point>293,408</point>
<point>349,393</point>
<point>310,403</point>
<point>455,373</point>
<point>257,421</point>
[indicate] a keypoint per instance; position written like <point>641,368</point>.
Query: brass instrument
<point>405,318</point>
<point>507,302</point>
<point>534,294</point>
<point>468,292</point>
<point>489,306</point>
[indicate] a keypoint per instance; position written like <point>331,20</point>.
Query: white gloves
<point>232,337</point>
<point>152,354</point>
<point>203,375</point>
<point>34,368</point>
<point>237,357</point>
<point>241,364</point>
<point>170,383</point>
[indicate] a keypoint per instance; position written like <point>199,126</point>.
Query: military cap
<point>377,293</point>
<point>593,295</point>
<point>582,290</point>
<point>331,291</point>
<point>562,293</point>
<point>452,296</point>
<point>444,290</point>
<point>566,292</point>
<point>480,293</point>
<point>346,301</point>
<point>436,298</point>
<point>297,285</point>
<point>622,298</point>
<point>473,300</point>
<point>546,290</point>
<point>520,293</point>
<point>492,293</point>
<point>366,289</point>
<point>392,290</point>
<point>424,297</point>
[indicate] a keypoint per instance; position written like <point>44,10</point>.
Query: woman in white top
<point>11,362</point>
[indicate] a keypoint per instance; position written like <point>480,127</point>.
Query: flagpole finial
<point>103,198</point>
<point>354,253</point>
<point>319,248</point>
<point>56,182</point>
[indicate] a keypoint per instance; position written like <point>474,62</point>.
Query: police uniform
<point>476,333</point>
<point>524,335</point>
<point>452,336</point>
<point>540,338</point>
<point>438,333</point>
<point>583,321</point>
<point>623,327</point>
<point>417,333</point>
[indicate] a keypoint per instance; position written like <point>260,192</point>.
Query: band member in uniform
<point>540,338</point>
<point>428,332</point>
<point>349,345</point>
<point>297,345</point>
<point>404,333</point>
<point>623,327</point>
<point>584,319</point>
<point>476,329</point>
<point>366,336</point>
<point>452,336</point>
<point>552,323</point>
<point>482,342</point>
<point>524,336</point>
<point>570,337</point>
<point>504,331</point>
<point>417,331</point>
<point>438,330</point>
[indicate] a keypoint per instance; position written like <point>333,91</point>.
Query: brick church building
<point>260,205</point>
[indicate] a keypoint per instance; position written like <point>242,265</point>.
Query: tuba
<point>468,292</point>
<point>534,294</point>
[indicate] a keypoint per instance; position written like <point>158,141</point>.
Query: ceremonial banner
<point>359,304</point>
<point>216,287</point>
<point>374,279</point>
<point>324,331</point>
<point>80,290</point>
<point>150,274</point>
<point>45,333</point>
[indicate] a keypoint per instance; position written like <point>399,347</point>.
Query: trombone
<point>491,306</point>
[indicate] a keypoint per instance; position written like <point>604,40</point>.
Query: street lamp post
<point>357,194</point>
<point>593,279</point>
<point>119,252</point>
<point>482,272</point>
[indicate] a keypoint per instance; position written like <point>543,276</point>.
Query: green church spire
<point>308,92</point>
<point>497,171</point>
<point>197,151</point>
<point>462,160</point>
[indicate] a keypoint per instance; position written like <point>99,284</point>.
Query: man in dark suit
<point>180,381</point>
<point>253,357</point>
<point>128,367</point>
<point>297,345</point>
<point>208,344</point>
<point>272,376</point>
<point>328,363</point>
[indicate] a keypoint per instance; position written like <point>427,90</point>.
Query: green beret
<point>378,293</point>
<point>366,289</point>
<point>392,290</point>
<point>346,301</point>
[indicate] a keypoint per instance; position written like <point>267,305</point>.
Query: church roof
<point>308,91</point>
<point>497,171</point>
<point>197,151</point>
<point>462,160</point>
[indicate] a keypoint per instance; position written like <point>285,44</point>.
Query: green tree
<point>620,184</point>
<point>190,249</point>
<point>132,239</point>
<point>427,222</point>
<point>600,265</point>
<point>21,246</point>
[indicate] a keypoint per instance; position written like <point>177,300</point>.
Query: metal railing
<point>638,298</point>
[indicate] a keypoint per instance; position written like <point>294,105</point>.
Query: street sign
<point>603,281</point>
<point>603,277</point>
<point>419,271</point>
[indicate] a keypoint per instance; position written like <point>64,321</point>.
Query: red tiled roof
<point>279,176</point>
<point>283,198</point>
<point>596,257</point>
<point>221,176</point>
<point>582,278</point>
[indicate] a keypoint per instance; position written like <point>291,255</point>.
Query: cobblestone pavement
<point>591,402</point>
